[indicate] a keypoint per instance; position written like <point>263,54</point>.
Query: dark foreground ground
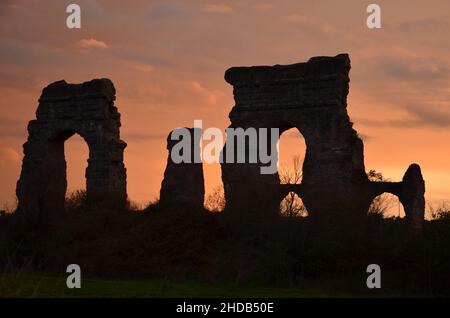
<point>39,284</point>
<point>168,252</point>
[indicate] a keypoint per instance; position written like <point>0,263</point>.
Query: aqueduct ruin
<point>311,97</point>
<point>64,110</point>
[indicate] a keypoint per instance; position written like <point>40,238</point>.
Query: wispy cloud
<point>310,23</point>
<point>418,117</point>
<point>168,11</point>
<point>217,8</point>
<point>411,87</point>
<point>424,25</point>
<point>91,44</point>
<point>414,68</point>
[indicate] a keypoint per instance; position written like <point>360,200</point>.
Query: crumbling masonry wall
<point>311,97</point>
<point>183,184</point>
<point>65,109</point>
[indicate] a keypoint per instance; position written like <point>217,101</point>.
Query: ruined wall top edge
<point>61,90</point>
<point>321,84</point>
<point>316,67</point>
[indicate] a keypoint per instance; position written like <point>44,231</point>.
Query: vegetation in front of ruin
<point>286,256</point>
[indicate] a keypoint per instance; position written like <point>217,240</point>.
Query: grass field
<point>45,285</point>
<point>35,284</point>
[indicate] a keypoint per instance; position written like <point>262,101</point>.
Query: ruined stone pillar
<point>183,183</point>
<point>412,197</point>
<point>65,109</point>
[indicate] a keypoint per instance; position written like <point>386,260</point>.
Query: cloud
<point>298,18</point>
<point>29,54</point>
<point>117,7</point>
<point>217,8</point>
<point>410,86</point>
<point>418,116</point>
<point>141,56</point>
<point>412,68</point>
<point>424,25</point>
<point>211,96</point>
<point>13,80</point>
<point>426,114</point>
<point>263,6</point>
<point>91,43</point>
<point>310,24</point>
<point>141,67</point>
<point>168,11</point>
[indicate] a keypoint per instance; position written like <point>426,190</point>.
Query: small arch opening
<point>386,205</point>
<point>291,154</point>
<point>292,206</point>
<point>215,200</point>
<point>76,153</point>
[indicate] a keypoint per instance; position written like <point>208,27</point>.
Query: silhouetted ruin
<point>64,110</point>
<point>183,182</point>
<point>311,97</point>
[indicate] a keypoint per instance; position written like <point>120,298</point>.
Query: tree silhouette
<point>292,205</point>
<point>215,202</point>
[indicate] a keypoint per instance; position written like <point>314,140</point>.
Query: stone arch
<point>386,204</point>
<point>312,97</point>
<point>64,110</point>
<point>290,171</point>
<point>292,206</point>
<point>410,191</point>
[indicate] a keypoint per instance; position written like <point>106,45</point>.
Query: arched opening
<point>292,206</point>
<point>213,142</point>
<point>76,153</point>
<point>291,154</point>
<point>64,109</point>
<point>386,205</point>
<point>215,199</point>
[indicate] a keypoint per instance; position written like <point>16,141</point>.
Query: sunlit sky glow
<point>167,61</point>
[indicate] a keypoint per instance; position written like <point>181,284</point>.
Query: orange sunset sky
<point>167,60</point>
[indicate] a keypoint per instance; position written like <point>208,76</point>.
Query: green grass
<point>33,284</point>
